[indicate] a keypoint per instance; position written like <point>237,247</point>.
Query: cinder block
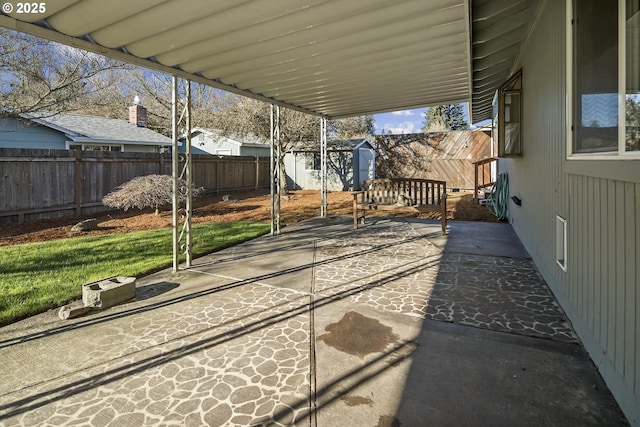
<point>107,292</point>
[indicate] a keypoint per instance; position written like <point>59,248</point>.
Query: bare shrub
<point>150,191</point>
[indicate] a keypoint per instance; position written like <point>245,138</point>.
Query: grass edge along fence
<point>36,277</point>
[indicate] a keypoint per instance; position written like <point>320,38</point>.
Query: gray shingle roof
<point>78,126</point>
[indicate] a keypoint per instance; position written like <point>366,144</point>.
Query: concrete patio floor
<point>390,325</point>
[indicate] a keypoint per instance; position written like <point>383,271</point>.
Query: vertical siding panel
<point>611,271</point>
<point>631,261</point>
<point>584,247</point>
<point>620,274</point>
<point>590,259</point>
<point>637,290</point>
<point>573,252</point>
<point>596,260</point>
<point>580,217</point>
<point>604,271</point>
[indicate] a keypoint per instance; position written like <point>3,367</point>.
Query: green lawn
<point>36,277</point>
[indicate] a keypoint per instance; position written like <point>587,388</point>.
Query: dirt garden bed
<point>252,206</point>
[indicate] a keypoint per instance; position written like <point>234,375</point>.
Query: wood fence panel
<point>38,184</point>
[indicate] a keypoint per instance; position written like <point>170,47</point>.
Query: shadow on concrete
<point>306,304</point>
<point>155,289</point>
<point>461,367</point>
<point>495,348</point>
<point>94,319</point>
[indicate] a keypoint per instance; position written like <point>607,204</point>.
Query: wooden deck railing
<point>479,183</point>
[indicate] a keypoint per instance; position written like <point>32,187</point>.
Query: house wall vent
<point>561,242</point>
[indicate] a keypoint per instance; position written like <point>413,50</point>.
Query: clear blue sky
<point>407,121</point>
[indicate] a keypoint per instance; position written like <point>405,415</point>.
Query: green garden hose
<point>499,197</point>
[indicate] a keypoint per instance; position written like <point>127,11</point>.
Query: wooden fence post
<point>257,172</point>
<point>78,181</point>
<point>216,174</point>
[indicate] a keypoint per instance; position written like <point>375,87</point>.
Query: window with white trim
<point>606,78</point>
<point>97,147</point>
<point>510,117</point>
<point>312,161</point>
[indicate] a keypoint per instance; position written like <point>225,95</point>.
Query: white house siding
<point>205,143</point>
<point>600,290</point>
<point>299,177</point>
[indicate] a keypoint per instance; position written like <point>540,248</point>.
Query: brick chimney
<point>138,114</point>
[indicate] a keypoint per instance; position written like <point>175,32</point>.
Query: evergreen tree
<point>632,116</point>
<point>444,118</point>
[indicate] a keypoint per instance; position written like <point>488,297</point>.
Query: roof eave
<point>87,140</point>
<point>85,44</point>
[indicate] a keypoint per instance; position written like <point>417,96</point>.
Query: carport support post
<point>323,167</point>
<point>174,169</point>
<point>178,175</point>
<point>275,169</point>
<point>189,178</point>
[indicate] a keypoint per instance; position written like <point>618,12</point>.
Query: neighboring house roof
<point>253,141</point>
<point>332,145</point>
<point>92,129</point>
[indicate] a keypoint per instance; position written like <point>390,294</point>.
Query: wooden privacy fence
<point>39,184</point>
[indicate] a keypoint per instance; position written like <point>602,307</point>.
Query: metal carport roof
<point>334,58</point>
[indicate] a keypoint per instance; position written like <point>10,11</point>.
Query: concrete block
<point>107,292</point>
<point>69,312</point>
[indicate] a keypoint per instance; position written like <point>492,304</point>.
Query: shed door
<point>366,165</point>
